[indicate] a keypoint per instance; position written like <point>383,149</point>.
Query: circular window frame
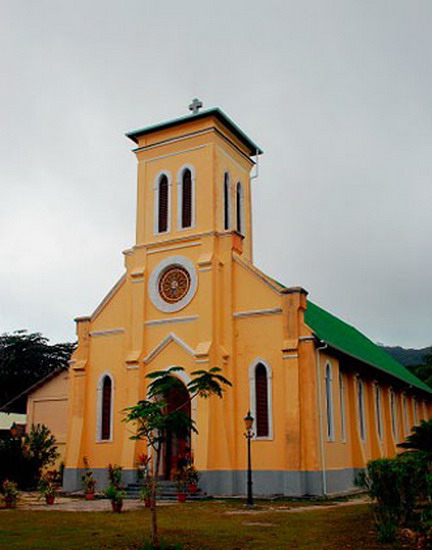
<point>153,286</point>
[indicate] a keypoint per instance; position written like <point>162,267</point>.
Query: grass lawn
<point>209,526</point>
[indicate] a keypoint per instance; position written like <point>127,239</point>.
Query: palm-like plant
<point>420,438</point>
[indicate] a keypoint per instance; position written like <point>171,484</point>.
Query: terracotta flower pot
<point>89,496</point>
<point>49,499</point>
<point>117,506</point>
<point>181,497</point>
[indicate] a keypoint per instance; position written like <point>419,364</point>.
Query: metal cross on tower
<point>195,106</point>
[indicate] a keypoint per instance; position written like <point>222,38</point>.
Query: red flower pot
<point>192,488</point>
<point>89,496</point>
<point>147,502</point>
<point>117,506</point>
<point>181,497</point>
<point>49,499</point>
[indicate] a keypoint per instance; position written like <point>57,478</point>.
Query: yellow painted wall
<point>48,405</point>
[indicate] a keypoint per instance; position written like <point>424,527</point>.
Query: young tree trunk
<point>153,512</point>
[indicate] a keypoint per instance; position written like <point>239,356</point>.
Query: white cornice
<point>163,344</point>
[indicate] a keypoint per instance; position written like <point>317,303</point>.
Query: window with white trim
<point>329,401</point>
<point>415,411</point>
<point>405,415</point>
<point>227,201</point>
<point>186,199</point>
<point>260,380</point>
<point>361,408</point>
<point>378,411</point>
<point>105,408</point>
<point>342,405</point>
<point>162,208</point>
<point>393,412</point>
<point>239,208</point>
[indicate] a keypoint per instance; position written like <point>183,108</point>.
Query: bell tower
<point>194,180</point>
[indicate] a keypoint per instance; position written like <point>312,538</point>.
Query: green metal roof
<point>216,112</point>
<point>347,339</point>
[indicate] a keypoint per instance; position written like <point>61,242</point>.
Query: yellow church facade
<point>325,399</point>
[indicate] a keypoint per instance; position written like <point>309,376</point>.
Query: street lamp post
<point>248,420</point>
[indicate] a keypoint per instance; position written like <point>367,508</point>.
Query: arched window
<point>162,204</point>
<point>260,379</point>
<point>261,401</point>
<point>186,199</point>
<point>405,415</point>
<point>226,201</point>
<point>342,405</point>
<point>378,410</point>
<point>393,414</point>
<point>105,406</point>
<point>361,408</point>
<point>239,208</point>
<point>329,401</point>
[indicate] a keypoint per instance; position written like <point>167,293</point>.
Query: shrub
<point>395,485</point>
<point>22,459</point>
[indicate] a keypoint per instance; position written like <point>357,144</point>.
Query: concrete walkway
<point>32,501</point>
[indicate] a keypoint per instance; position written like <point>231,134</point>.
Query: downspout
<point>320,413</point>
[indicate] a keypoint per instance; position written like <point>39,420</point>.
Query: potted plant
<point>47,489</point>
<point>147,490</point>
<point>116,497</point>
<point>10,493</point>
<point>115,491</point>
<point>192,477</point>
<point>88,481</point>
<point>182,483</point>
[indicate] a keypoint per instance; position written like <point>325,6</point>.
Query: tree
<point>154,423</point>
<point>24,360</point>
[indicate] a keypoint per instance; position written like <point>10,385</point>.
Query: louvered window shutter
<point>106,408</point>
<point>261,396</point>
<point>187,199</point>
<point>226,202</point>
<point>163,204</point>
<point>239,208</point>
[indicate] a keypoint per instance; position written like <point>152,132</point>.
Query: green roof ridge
<point>346,338</point>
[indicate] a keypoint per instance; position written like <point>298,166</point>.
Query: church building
<point>324,398</point>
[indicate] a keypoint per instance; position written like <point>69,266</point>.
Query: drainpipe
<point>320,413</point>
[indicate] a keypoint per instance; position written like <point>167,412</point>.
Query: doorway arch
<point>177,447</point>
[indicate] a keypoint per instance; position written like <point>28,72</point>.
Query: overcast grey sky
<point>337,93</point>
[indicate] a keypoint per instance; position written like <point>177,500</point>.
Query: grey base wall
<point>222,482</point>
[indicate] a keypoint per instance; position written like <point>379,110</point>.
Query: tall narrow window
<point>342,405</point>
<point>163,204</point>
<point>378,410</point>
<point>393,414</point>
<point>405,415</point>
<point>416,415</point>
<point>105,431</point>
<point>186,198</point>
<point>329,401</point>
<point>239,208</point>
<point>361,409</point>
<point>261,401</point>
<point>226,201</point>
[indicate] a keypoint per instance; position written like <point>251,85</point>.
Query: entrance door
<point>177,446</point>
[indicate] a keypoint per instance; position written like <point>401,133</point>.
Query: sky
<point>337,93</point>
